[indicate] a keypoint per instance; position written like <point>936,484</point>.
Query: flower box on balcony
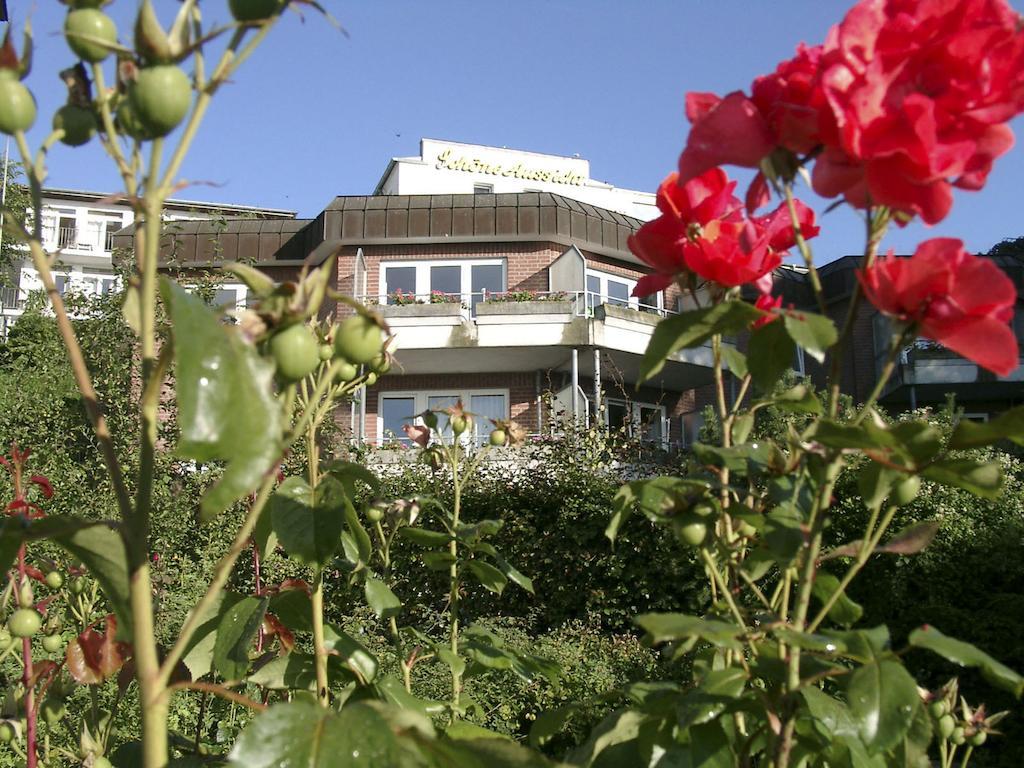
<point>450,309</point>
<point>545,307</point>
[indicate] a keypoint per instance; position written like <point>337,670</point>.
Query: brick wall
<point>527,263</point>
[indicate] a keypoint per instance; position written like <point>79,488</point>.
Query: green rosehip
<point>358,339</point>
<point>295,351</point>
<point>24,622</point>
<point>906,490</point>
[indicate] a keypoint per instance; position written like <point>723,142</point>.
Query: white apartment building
<point>81,225</point>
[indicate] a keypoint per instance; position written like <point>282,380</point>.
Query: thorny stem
<point>876,229</point>
<point>805,249</point>
<point>78,366</point>
<point>26,642</point>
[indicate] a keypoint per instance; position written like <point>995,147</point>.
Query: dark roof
<point>390,219</point>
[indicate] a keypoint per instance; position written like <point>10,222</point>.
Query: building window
<point>467,282</point>
<point>399,408</point>
<point>483,189</point>
<point>603,287</point>
<point>643,420</point>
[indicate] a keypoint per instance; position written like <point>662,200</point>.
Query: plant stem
<point>453,575</point>
<point>876,229</point>
<point>319,647</point>
<point>26,675</point>
<point>805,249</point>
<point>867,549</point>
<point>78,366</point>
<point>220,577</point>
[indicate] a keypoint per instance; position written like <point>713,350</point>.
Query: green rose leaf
<point>308,529</point>
<point>236,630</point>
<point>770,354</point>
<point>844,611</point>
<point>983,479</point>
<point>967,655</point>
<point>226,405</point>
<point>666,627</point>
<point>303,735</point>
<point>1006,426</point>
<point>691,329</point>
<point>381,599</point>
<point>883,699</point>
<point>814,333</point>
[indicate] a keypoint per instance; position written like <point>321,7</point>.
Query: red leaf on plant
<point>295,584</point>
<point>93,658</point>
<point>273,627</point>
<point>42,671</point>
<point>44,484</point>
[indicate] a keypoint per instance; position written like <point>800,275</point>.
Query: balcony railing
<point>583,303</point>
<point>931,364</point>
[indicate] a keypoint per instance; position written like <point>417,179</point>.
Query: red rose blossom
<point>782,111</point>
<point>964,302</point>
<point>702,230</point>
<point>918,95</point>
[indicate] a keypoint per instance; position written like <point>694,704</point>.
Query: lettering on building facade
<point>447,161</point>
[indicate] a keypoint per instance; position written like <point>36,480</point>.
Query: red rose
<point>767,303</point>
<point>782,111</point>
<point>660,242</point>
<point>964,302</point>
<point>918,95</point>
<point>731,254</point>
<point>702,229</point>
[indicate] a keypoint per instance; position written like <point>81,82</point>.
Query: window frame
<point>633,301</point>
<point>422,397</point>
<point>423,267</point>
<point>634,408</point>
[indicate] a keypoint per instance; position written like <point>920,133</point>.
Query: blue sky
<point>315,114</point>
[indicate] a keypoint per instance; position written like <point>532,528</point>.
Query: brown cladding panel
<point>462,222</point>
<point>548,220</point>
<point>577,226</point>
<point>419,222</point>
<point>248,248</point>
<point>355,203</point>
<point>593,229</point>
<point>563,220</point>
<point>226,248</point>
<point>352,225</point>
<point>398,223</point>
<point>419,201</point>
<point>608,237</point>
<point>483,221</point>
<point>506,222</point>
<point>623,239</point>
<point>376,224</point>
<point>376,203</point>
<point>398,201</point>
<point>269,243</point>
<point>528,221</point>
<point>440,222</point>
<point>184,247</point>
<point>330,224</point>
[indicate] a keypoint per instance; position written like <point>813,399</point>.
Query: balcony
<point>528,331</point>
<point>927,373</point>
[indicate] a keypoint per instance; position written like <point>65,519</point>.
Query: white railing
<point>584,302</point>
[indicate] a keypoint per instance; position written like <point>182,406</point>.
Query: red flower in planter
<point>964,302</point>
<point>766,303</point>
<point>918,95</point>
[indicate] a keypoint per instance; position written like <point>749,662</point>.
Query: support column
<point>575,384</point>
<point>540,403</point>
<point>597,386</point>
